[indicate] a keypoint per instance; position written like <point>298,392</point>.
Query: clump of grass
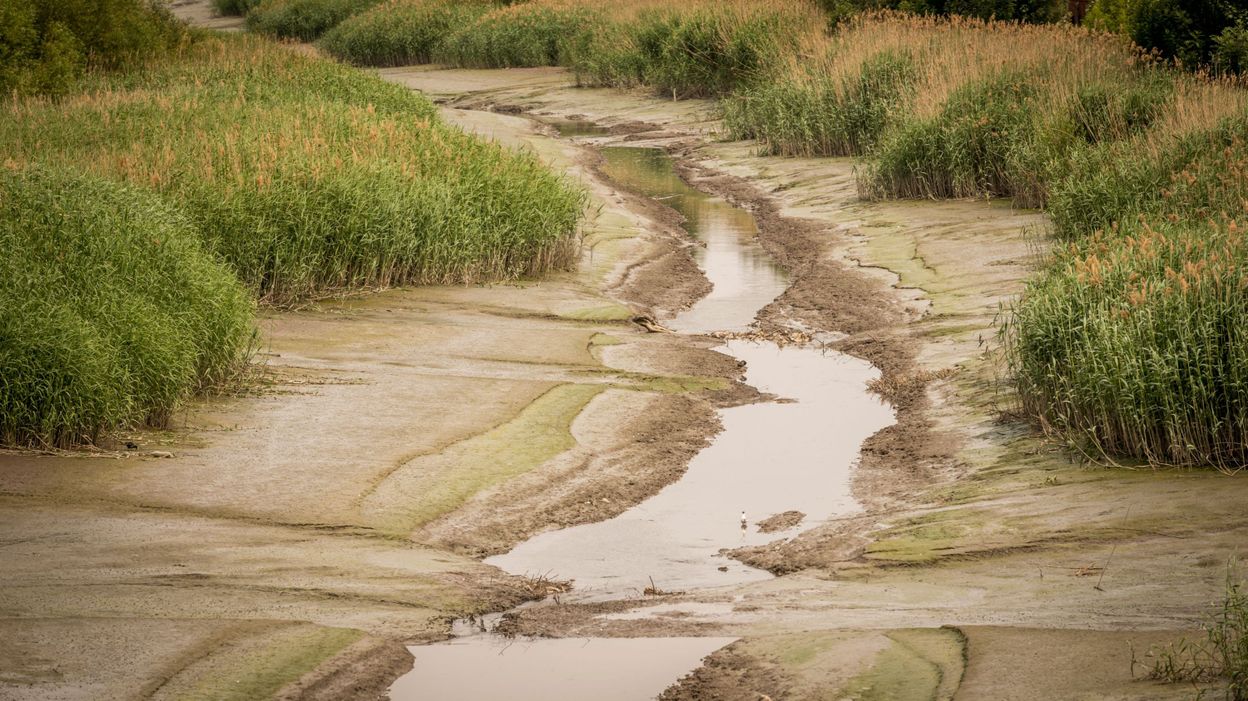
<point>1221,657</point>
<point>522,35</point>
<point>307,177</point>
<point>815,114</point>
<point>699,49</point>
<point>399,32</point>
<point>964,151</point>
<point>111,311</point>
<point>305,20</point>
<point>1135,343</point>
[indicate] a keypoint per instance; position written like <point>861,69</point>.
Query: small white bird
<point>744,523</point>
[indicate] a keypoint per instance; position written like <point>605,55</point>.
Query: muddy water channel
<point>793,454</point>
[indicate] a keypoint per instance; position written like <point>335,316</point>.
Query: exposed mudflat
<point>969,519</point>
<point>303,534</point>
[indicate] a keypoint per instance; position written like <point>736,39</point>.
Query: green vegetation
<point>699,50</point>
<point>111,311</point>
<point>527,34</point>
<point>308,177</point>
<point>305,20</point>
<point>542,430</point>
<point>817,114</point>
<point>918,664</point>
<point>259,665</point>
<point>230,166</point>
<point>47,45</point>
<point>399,32</point>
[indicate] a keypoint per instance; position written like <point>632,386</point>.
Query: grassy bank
<point>231,170</point>
<point>695,49</point>
<point>307,177</point>
<point>400,32</point>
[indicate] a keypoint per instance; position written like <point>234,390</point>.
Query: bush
<point>1230,54</point>
<point>1192,31</point>
<point>307,176</point>
<point>111,311</point>
<point>399,32</point>
<point>46,45</point>
<point>235,7</point>
<point>305,20</point>
<point>522,35</point>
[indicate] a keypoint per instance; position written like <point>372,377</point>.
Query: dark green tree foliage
<point>1196,32</point>
<point>45,45</point>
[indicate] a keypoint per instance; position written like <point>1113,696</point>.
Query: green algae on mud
<point>920,664</point>
<point>259,665</point>
<point>539,432</point>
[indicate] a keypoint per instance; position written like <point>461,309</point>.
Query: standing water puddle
<point>795,454</point>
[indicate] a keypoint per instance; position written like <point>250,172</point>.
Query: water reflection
<point>745,278</point>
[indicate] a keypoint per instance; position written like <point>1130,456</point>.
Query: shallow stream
<point>793,454</point>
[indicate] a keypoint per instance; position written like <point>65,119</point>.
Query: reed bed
<point>112,312</point>
<point>694,49</point>
<point>524,35</point>
<point>305,20</point>
<point>1136,344</point>
<point>307,177</point>
<point>400,32</point>
<point>1132,343</point>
